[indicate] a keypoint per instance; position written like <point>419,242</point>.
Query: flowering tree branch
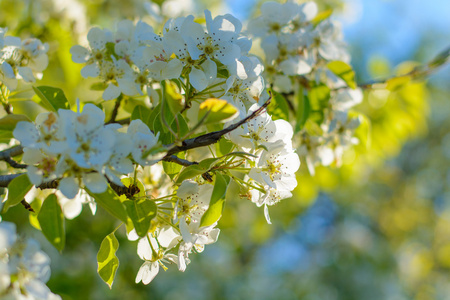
<point>214,137</point>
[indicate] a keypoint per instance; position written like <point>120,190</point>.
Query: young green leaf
<point>195,170</point>
<point>190,172</point>
<point>278,107</point>
<point>303,110</point>
<point>107,259</point>
<point>214,110</point>
<point>216,205</point>
<point>141,213</point>
<point>174,99</point>
<point>52,98</point>
<point>51,220</point>
<point>111,203</point>
<point>173,169</point>
<point>318,98</point>
<point>17,189</point>
<point>142,113</point>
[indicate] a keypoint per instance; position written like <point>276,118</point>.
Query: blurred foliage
<point>378,227</point>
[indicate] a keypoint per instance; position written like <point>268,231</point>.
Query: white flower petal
<point>69,187</point>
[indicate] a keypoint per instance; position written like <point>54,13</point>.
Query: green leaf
<point>343,71</point>
<point>224,146</point>
<point>214,110</point>
<point>190,172</point>
<point>140,209</point>
<point>278,107</point>
<point>17,189</point>
<point>195,170</point>
<point>154,120</point>
<point>142,113</point>
<point>52,98</point>
<point>303,110</point>
<point>216,205</point>
<point>141,213</point>
<point>172,169</point>
<point>110,201</point>
<point>318,98</point>
<point>51,220</point>
<point>107,259</point>
<point>208,163</point>
<point>174,99</point>
<point>33,216</point>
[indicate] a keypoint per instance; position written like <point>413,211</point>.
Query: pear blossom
<point>194,237</point>
<point>24,268</point>
<point>154,250</point>
<point>21,59</point>
<point>193,201</point>
<point>144,141</point>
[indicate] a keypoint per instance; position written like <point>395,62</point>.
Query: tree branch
<point>180,161</point>
<point>13,151</point>
<point>115,110</point>
<point>213,137</point>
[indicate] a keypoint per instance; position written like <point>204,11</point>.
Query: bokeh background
<point>376,228</point>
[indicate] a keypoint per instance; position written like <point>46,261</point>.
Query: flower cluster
<point>326,145</point>
<point>272,172</point>
<point>24,268</point>
<point>292,44</point>
<point>182,234</point>
<point>298,48</point>
<point>21,59</point>
<point>80,150</point>
<point>133,56</point>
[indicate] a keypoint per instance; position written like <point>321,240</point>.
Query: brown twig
<point>115,111</point>
<point>180,161</point>
<point>213,137</point>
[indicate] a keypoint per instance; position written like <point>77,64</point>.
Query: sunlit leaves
<point>111,203</point>
<point>197,169</point>
<point>51,220</point>
<point>217,202</point>
<point>278,107</point>
<point>318,98</point>
<point>140,209</point>
<point>173,97</point>
<point>216,110</point>
<point>52,98</point>
<point>142,113</point>
<point>303,110</point>
<point>17,189</point>
<point>107,259</point>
